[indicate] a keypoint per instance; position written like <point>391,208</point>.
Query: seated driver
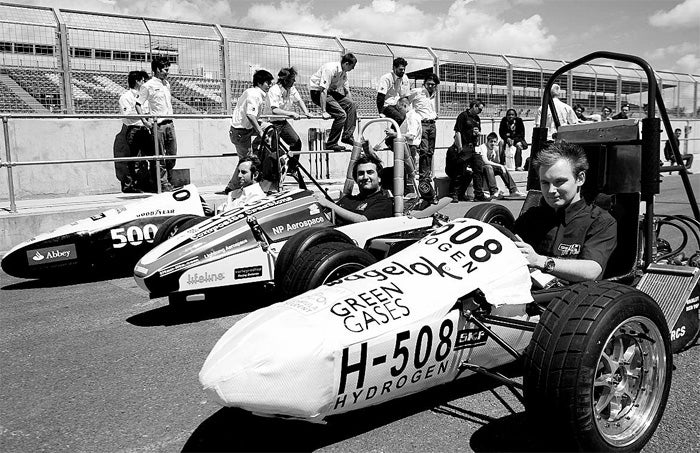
<point>249,184</point>
<point>565,236</point>
<point>370,203</point>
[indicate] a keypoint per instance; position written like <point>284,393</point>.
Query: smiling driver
<point>371,203</point>
<point>565,236</point>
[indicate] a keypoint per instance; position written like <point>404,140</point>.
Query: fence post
<point>8,156</point>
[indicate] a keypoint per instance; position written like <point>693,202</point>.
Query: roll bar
<point>651,138</point>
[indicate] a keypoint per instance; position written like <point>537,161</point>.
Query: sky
<point>664,32</point>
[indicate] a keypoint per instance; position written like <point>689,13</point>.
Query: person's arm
<point>322,101</point>
<point>380,102</point>
<point>572,270</point>
<point>281,111</point>
<point>346,215</point>
<point>300,102</point>
<point>143,94</point>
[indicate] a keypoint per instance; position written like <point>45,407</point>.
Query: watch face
<point>549,265</point>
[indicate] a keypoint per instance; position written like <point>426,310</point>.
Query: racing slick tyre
<point>324,263</point>
<point>598,368</point>
<point>493,214</point>
<point>174,225</point>
<point>301,242</point>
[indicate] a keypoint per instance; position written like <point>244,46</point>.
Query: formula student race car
<point>262,241</point>
<point>109,242</point>
<point>459,300</point>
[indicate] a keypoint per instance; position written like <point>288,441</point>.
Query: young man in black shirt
<point>371,203</point>
<point>467,128</point>
<point>565,236</point>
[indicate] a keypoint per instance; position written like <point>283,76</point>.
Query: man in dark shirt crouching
<point>565,236</point>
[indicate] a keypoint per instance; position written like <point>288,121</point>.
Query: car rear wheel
<point>324,263</point>
<point>599,368</point>
<point>493,214</point>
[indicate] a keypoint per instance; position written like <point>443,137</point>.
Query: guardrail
<point>9,164</point>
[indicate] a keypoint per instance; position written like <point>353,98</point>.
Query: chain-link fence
<point>67,61</point>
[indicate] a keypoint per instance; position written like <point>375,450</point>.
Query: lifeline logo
<point>197,279</point>
<point>51,255</point>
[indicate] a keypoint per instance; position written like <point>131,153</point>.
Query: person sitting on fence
<point>370,203</point>
<point>244,120</point>
<point>329,89</point>
<point>489,153</point>
<point>512,132</point>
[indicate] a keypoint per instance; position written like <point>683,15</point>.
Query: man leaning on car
<point>565,236</point>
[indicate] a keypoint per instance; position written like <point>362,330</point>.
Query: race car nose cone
<point>269,363</point>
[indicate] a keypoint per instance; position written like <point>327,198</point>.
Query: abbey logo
<point>49,255</point>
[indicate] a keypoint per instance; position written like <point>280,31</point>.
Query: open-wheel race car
<point>109,242</point>
<point>458,299</point>
<point>262,241</point>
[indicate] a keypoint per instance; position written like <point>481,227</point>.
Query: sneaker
<point>455,198</point>
<point>131,189</point>
<point>482,197</point>
<point>348,140</point>
<point>517,193</point>
<point>497,195</point>
<point>333,147</point>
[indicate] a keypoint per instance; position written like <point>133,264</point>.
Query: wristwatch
<point>548,264</point>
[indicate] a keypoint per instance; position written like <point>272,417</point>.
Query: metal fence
<point>72,62</point>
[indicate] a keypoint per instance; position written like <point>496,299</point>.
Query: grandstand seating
<point>10,102</point>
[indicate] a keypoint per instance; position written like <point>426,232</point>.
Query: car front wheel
<point>599,366</point>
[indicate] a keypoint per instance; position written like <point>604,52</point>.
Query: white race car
<point>109,242</point>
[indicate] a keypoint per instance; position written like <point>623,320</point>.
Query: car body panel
<point>117,237</point>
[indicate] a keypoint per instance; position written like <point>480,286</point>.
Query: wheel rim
<point>630,375</point>
<point>342,271</point>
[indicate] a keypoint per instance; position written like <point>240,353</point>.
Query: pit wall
<point>59,139</point>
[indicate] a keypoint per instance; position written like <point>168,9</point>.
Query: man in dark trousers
<point>467,129</point>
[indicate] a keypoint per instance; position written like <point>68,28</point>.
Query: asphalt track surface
<point>97,366</point>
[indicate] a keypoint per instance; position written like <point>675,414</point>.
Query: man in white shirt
<point>412,131</point>
<point>282,97</point>
<point>392,86</point>
<point>156,92</point>
<point>249,182</point>
<point>489,153</point>
<point>244,120</point>
<point>138,137</point>
<point>329,89</point>
<point>424,101</point>
<point>564,111</point>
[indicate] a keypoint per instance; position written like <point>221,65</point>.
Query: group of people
<point>149,98</point>
<point>466,160</point>
<point>563,215</point>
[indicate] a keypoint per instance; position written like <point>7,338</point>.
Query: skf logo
<point>470,338</point>
<point>569,249</point>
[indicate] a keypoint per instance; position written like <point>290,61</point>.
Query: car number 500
<point>134,235</point>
